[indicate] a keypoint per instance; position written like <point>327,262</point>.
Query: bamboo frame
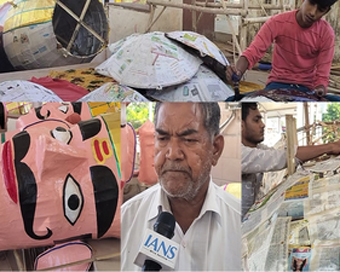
<point>224,7</point>
<point>291,143</point>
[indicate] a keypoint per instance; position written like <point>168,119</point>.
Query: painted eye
<point>64,108</point>
<point>62,134</point>
<point>73,200</point>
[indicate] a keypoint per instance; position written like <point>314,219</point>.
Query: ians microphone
<point>158,250</point>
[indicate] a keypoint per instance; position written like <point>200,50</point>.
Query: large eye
<point>62,134</point>
<point>63,108</point>
<point>73,200</point>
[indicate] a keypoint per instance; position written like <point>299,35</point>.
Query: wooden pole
<point>291,142</point>
<point>305,106</point>
<point>196,8</point>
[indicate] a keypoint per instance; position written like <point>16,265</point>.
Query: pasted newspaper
<point>325,227</point>
<point>265,208</point>
<point>268,245</point>
<point>205,86</point>
<point>325,257</point>
<point>296,227</point>
<point>149,61</point>
<point>326,167</point>
<point>113,92</point>
<point>299,233</point>
<point>277,255</point>
<point>22,90</point>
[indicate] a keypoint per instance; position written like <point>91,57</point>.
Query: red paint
<point>97,149</point>
<point>106,148</point>
<point>8,171</point>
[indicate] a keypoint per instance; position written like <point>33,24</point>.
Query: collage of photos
<point>168,135</point>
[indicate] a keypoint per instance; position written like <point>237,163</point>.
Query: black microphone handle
<point>151,266</point>
<point>165,225</point>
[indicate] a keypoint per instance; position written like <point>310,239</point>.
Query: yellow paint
<point>28,13</point>
<point>105,156</point>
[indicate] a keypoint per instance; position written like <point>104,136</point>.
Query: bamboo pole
<point>76,30</point>
<point>196,8</point>
<point>305,106</point>
<point>75,17</point>
<point>255,20</point>
<point>240,6</point>
<point>291,142</point>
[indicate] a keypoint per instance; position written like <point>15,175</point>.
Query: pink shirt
<point>301,55</point>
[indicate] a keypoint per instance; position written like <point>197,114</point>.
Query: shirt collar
<point>160,202</point>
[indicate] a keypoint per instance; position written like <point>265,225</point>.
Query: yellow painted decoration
<point>28,13</point>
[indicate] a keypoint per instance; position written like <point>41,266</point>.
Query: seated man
<point>303,49</point>
<point>208,221</point>
<point>258,158</point>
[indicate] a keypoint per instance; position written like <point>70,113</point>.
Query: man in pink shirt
<point>303,51</point>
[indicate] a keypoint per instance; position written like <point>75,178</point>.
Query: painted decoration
<point>60,182</point>
<point>63,255</point>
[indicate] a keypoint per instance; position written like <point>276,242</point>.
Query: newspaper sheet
<point>325,227</point>
<point>325,257</point>
<point>324,195</point>
<point>294,209</point>
<point>22,90</point>
<point>328,166</point>
<point>200,43</point>
<point>312,200</point>
<point>299,233</point>
<point>149,61</point>
<point>258,245</point>
<point>265,208</point>
<point>277,256</point>
<point>113,92</point>
<point>205,86</point>
<point>323,183</point>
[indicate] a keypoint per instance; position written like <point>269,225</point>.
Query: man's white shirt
<point>212,242</point>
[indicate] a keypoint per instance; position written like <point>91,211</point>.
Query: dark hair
<point>324,3</point>
<point>245,109</point>
<point>211,116</point>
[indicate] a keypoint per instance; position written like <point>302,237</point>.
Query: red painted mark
<point>97,149</point>
<point>8,171</point>
<point>106,148</point>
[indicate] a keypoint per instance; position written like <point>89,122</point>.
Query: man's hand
<point>239,68</point>
<point>335,148</point>
<point>231,69</point>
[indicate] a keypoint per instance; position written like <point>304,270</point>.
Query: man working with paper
<point>207,231</point>
<point>258,158</point>
<point>303,49</point>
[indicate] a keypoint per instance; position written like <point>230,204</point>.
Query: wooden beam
<point>291,143</point>
<point>197,8</point>
<point>305,106</point>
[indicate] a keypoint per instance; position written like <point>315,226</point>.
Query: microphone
<point>158,250</point>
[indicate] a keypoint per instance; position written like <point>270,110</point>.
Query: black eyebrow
<point>161,131</point>
<point>187,132</point>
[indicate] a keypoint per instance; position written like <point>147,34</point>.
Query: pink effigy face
<point>59,182</point>
<point>70,112</point>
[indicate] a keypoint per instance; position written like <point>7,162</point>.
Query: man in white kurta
<point>208,220</point>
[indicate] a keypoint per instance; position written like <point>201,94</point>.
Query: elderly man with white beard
<point>208,222</point>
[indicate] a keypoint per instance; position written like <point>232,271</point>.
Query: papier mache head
<point>60,181</point>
